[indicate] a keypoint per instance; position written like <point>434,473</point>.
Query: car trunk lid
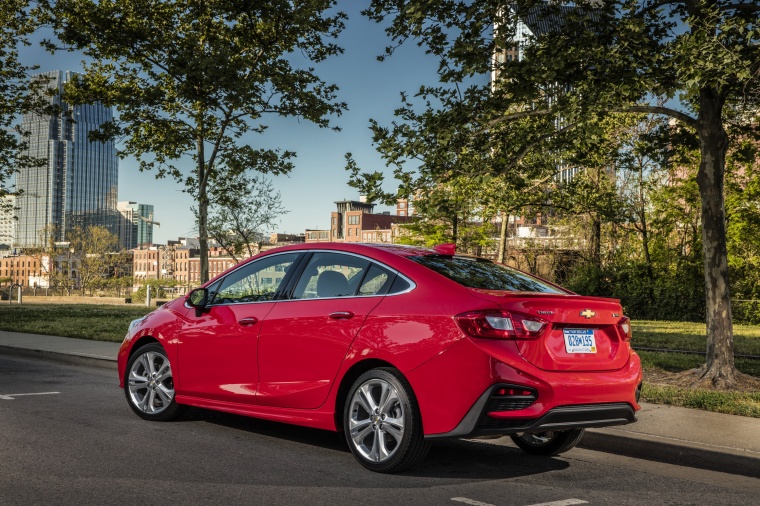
<point>582,333</point>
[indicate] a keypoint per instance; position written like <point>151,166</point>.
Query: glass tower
<point>78,185</point>
<point>135,225</point>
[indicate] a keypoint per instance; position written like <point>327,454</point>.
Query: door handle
<point>341,315</point>
<point>251,320</point>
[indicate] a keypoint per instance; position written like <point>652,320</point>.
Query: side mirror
<point>198,299</point>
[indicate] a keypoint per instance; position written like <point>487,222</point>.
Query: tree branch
<point>665,111</point>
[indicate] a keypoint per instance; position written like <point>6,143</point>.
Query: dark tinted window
<point>484,274</point>
<point>399,285</point>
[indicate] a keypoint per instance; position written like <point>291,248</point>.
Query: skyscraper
<point>135,224</point>
<point>78,185</point>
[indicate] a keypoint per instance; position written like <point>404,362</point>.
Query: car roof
<point>357,247</point>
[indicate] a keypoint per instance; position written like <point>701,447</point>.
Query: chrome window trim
<point>412,284</point>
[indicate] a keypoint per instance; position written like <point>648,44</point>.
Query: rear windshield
<point>484,274</point>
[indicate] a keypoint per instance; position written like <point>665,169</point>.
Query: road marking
<point>566,502</point>
<point>473,502</point>
<point>10,397</point>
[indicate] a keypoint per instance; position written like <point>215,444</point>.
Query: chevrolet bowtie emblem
<point>587,313</point>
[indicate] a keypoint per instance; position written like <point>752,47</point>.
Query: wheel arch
<point>142,341</point>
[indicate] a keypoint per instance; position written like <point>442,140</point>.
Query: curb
<point>65,357</point>
<point>672,451</point>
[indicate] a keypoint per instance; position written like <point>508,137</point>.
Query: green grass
<point>676,362</point>
<point>732,403</point>
<point>691,336</point>
<point>84,321</point>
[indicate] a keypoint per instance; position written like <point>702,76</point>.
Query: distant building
<point>354,221</point>
<point>21,270</point>
<point>7,224</point>
<point>135,224</point>
<point>78,185</point>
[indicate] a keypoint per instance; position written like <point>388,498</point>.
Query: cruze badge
<point>587,313</point>
<point>545,312</point>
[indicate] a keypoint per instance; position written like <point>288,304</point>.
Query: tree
<point>95,250</point>
<point>602,58</point>
<point>192,78</point>
<point>241,210</point>
<point>19,93</point>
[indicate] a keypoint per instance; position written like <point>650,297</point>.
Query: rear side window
<point>484,274</point>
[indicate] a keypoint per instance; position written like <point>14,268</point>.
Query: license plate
<point>579,340</point>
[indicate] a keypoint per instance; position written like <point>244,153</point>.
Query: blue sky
<point>370,88</point>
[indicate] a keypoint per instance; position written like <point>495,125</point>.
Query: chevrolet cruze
<point>394,346</point>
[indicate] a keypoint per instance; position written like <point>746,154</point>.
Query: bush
<point>666,295</point>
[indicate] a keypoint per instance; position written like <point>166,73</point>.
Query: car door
<point>217,350</point>
<point>304,340</point>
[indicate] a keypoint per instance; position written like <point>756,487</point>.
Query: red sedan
<point>395,346</point>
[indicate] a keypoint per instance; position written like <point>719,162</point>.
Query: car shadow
<point>454,459</point>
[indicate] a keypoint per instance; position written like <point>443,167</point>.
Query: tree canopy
<point>192,81</point>
<point>695,62</point>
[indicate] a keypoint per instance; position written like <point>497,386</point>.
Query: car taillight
<point>624,328</point>
<point>497,324</point>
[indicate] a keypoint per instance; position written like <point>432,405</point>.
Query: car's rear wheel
<point>548,443</point>
<point>382,422</point>
<point>149,384</point>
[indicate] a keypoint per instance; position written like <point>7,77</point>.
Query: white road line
<point>10,397</point>
<point>473,502</point>
<point>566,502</point>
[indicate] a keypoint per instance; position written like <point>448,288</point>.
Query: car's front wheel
<point>149,384</point>
<point>548,443</point>
<point>382,422</point>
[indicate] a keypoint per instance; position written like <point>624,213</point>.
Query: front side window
<point>331,275</point>
<point>484,274</point>
<point>256,282</point>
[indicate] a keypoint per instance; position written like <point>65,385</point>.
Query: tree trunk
<point>719,369</point>
<point>596,240</point>
<point>502,257</point>
<point>202,212</point>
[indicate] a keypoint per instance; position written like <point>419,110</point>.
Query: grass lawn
<point>85,321</point>
<point>691,336</point>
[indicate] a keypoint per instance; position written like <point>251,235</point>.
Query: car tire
<point>149,384</point>
<point>548,443</point>
<point>382,423</point>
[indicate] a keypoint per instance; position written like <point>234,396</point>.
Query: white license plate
<point>579,340</point>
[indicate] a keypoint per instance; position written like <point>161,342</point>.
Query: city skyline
<point>77,187</point>
<point>371,89</point>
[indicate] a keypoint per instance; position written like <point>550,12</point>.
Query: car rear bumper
<point>478,422</point>
<point>456,394</point>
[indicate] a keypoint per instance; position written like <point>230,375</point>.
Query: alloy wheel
<point>150,383</point>
<point>376,420</point>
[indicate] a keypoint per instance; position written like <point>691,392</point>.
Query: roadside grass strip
<point>83,321</point>
<point>733,403</point>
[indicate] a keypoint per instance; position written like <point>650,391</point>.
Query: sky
<point>371,90</point>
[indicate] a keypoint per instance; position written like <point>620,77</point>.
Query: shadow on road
<point>448,459</point>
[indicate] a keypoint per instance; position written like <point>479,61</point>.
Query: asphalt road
<point>83,445</point>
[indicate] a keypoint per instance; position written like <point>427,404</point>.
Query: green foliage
<point>677,295</point>
<point>19,95</point>
<point>194,80</point>
<point>158,289</point>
